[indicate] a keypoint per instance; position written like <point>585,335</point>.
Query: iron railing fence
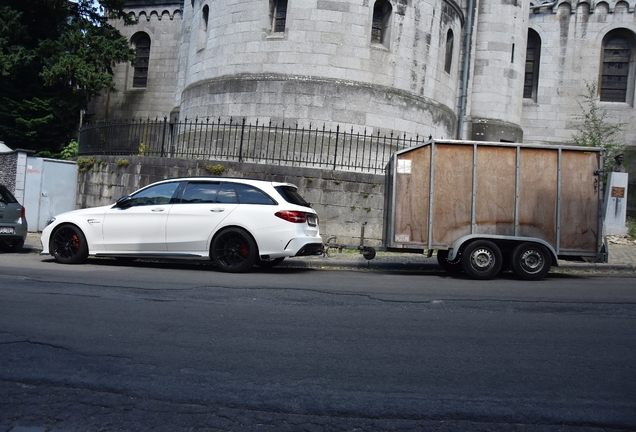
<point>245,142</point>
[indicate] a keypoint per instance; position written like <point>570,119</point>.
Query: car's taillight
<point>23,213</point>
<point>292,216</point>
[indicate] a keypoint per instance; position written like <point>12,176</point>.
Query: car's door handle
<point>217,210</point>
<point>157,209</point>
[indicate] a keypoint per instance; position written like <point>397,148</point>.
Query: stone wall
<point>162,24</point>
<point>343,200</point>
<point>8,170</point>
<point>571,37</point>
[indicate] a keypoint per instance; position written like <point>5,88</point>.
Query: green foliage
<point>70,151</point>
<point>84,164</point>
<point>123,162</point>
<point>143,148</point>
<point>631,225</point>
<point>215,169</point>
<point>67,153</point>
<point>55,56</point>
<point>594,129</point>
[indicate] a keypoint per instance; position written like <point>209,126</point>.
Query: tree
<point>55,55</point>
<point>594,129</point>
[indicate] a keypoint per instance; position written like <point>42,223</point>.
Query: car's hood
<point>84,212</point>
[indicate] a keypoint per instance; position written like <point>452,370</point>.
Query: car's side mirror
<point>124,202</point>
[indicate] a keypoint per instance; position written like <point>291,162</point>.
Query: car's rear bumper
<point>311,249</point>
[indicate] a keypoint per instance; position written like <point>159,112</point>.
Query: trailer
<point>486,207</point>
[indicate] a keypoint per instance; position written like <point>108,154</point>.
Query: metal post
<point>163,138</point>
<point>335,152</point>
<point>240,155</point>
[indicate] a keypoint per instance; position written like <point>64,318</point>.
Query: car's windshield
<point>6,196</point>
<point>292,196</point>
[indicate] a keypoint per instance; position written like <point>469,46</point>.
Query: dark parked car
<point>13,223</point>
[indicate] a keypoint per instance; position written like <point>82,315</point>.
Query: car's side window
<point>200,193</point>
<point>227,194</point>
<point>159,194</point>
<point>251,195</point>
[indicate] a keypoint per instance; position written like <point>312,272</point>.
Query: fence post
<point>241,142</point>
<point>335,152</point>
<point>163,138</point>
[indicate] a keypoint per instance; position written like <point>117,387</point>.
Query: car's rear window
<point>251,195</point>
<point>292,196</point>
<point>6,196</point>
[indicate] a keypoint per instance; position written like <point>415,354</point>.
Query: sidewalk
<point>622,257</point>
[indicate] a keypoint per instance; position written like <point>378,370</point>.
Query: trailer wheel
<point>368,253</point>
<point>454,266</point>
<point>481,259</point>
<point>531,261</point>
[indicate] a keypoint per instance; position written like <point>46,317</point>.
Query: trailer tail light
<point>292,216</point>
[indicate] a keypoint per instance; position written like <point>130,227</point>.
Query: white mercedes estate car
<point>237,223</point>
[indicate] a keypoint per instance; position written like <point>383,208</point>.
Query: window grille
<point>380,24</point>
<point>279,16</point>
<point>142,47</point>
<point>533,54</point>
<point>449,51</point>
<point>615,75</point>
<point>203,28</point>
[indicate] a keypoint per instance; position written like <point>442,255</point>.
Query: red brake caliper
<point>75,241</point>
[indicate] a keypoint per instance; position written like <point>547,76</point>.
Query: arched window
<point>203,28</point>
<point>380,28</point>
<point>533,56</point>
<point>141,42</point>
<point>278,15</point>
<point>617,75</point>
<point>448,62</point>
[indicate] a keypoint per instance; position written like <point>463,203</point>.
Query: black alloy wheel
<point>234,250</point>
<point>68,245</point>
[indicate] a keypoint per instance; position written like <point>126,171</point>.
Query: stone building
<point>496,70</point>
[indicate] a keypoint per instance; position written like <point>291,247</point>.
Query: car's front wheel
<point>68,245</point>
<point>234,250</point>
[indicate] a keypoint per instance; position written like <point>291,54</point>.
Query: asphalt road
<point>156,346</point>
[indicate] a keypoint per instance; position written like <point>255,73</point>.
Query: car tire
<point>531,261</point>
<point>270,263</point>
<point>481,259</point>
<point>10,246</point>
<point>68,245</point>
<point>454,266</point>
<point>233,250</point>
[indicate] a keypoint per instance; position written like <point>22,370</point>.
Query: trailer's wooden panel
<point>579,201</point>
<point>495,190</point>
<point>538,174</point>
<point>452,191</point>
<point>506,187</point>
<point>412,193</point>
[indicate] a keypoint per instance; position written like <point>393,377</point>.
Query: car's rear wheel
<point>234,250</point>
<point>11,245</point>
<point>68,245</point>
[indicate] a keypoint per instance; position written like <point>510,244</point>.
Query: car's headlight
<point>50,221</point>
